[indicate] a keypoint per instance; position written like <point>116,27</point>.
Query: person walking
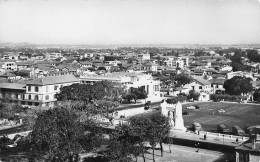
<point>205,136</point>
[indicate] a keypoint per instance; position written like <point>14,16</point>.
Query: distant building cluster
<point>35,76</point>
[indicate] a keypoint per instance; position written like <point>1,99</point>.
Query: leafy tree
<point>57,133</point>
<point>253,55</point>
<point>154,129</point>
<point>238,85</point>
<point>159,129</point>
<point>256,95</point>
<point>183,79</point>
<point>122,145</point>
<point>88,93</point>
<point>9,110</point>
<point>135,94</point>
<point>193,95</point>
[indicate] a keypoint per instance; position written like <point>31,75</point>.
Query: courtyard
<point>235,114</point>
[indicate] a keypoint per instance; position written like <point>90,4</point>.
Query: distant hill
<point>30,45</point>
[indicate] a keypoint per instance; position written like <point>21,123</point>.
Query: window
<point>30,103</point>
<point>55,87</point>
<point>29,97</point>
<point>47,97</point>
<point>200,87</point>
<point>23,103</point>
<point>36,88</point>
<point>29,88</point>
<point>36,104</point>
<point>36,97</point>
<point>55,96</point>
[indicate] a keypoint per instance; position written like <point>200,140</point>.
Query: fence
<point>225,136</point>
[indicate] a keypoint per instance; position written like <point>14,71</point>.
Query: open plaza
<point>235,114</point>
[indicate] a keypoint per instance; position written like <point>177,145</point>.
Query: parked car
<point>221,111</point>
<point>147,105</point>
<point>196,127</point>
<point>222,128</point>
<point>197,107</point>
<point>185,113</point>
<point>236,130</point>
<point>191,107</point>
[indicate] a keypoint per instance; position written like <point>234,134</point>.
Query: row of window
<point>36,88</point>
<point>36,97</point>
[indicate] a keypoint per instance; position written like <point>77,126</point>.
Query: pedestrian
<point>197,145</point>
<point>205,136</point>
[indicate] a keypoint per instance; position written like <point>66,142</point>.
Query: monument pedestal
<point>179,123</point>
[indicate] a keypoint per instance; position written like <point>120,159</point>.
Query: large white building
<point>143,56</point>
<point>8,65</point>
<point>127,79</point>
<point>42,91</point>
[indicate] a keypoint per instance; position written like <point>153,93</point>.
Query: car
<point>147,105</point>
<point>185,113</point>
<point>221,111</point>
<point>197,107</point>
<point>191,107</point>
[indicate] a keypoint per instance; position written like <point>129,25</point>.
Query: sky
<point>130,21</point>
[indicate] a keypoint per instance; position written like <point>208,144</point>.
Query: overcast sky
<point>130,21</point>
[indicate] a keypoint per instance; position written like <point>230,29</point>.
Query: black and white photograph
<point>129,80</point>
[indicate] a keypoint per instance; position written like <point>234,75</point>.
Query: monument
<point>177,122</point>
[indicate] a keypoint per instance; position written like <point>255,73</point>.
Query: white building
<point>127,79</point>
<point>199,84</point>
<point>53,56</point>
<point>42,91</point>
<point>143,56</point>
<point>8,65</point>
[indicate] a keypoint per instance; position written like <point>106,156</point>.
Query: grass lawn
<point>235,114</point>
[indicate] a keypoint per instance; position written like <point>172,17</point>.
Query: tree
<point>158,130</point>
<point>238,85</point>
<point>135,94</point>
<point>193,95</point>
<point>183,79</point>
<point>88,93</point>
<point>122,145</point>
<point>57,133</point>
<point>256,95</point>
<point>253,55</point>
<point>9,110</point>
<point>154,129</point>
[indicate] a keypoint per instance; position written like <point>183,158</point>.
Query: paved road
<point>200,138</point>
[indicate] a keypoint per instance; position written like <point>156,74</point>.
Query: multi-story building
<point>8,65</point>
<point>143,57</point>
<point>53,56</point>
<point>42,91</point>
<point>127,79</point>
<point>13,91</point>
<point>199,84</point>
<point>10,56</point>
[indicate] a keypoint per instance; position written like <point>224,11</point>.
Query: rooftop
<point>54,80</point>
<point>12,86</point>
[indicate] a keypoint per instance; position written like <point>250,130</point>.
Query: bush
<point>174,100</point>
<point>233,98</point>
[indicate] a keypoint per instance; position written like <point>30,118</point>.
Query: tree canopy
<point>57,133</point>
<point>183,79</point>
<point>135,94</point>
<point>87,93</point>
<point>238,85</point>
